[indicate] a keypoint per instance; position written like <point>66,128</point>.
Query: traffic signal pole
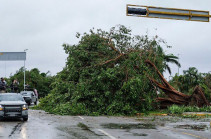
<point>168,13</point>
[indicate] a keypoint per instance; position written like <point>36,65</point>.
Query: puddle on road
<point>158,120</point>
<point>86,128</point>
<point>83,126</point>
<point>139,134</point>
<point>193,127</point>
<point>77,133</point>
<point>128,126</point>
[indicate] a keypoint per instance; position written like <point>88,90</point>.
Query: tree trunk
<point>176,97</point>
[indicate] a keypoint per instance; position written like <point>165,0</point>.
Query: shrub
<point>175,109</point>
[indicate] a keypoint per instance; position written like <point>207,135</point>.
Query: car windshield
<point>26,93</point>
<point>11,98</point>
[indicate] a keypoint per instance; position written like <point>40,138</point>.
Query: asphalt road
<point>42,125</point>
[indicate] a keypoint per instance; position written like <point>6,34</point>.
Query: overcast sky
<point>42,26</point>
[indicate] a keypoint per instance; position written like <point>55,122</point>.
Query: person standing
<point>15,86</point>
<point>2,85</point>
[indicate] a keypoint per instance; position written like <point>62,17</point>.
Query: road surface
<point>42,125</point>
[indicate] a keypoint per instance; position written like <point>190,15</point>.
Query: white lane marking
<point>112,137</point>
<point>81,117</point>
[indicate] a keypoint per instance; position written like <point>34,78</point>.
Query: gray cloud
<point>43,26</point>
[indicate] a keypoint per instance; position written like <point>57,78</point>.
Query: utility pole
<point>24,73</point>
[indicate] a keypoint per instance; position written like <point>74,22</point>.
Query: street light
<point>24,81</point>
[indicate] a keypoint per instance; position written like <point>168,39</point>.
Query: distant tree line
<point>34,80</point>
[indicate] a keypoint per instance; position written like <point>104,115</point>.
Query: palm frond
<point>168,69</point>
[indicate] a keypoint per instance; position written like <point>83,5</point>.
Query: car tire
<point>1,118</point>
<point>25,119</point>
<point>29,103</point>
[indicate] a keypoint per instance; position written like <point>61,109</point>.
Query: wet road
<point>47,126</point>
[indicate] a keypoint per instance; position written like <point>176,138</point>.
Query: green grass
<point>175,109</point>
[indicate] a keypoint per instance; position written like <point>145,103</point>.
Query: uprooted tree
<point>106,73</point>
<point>176,97</point>
<point>190,79</point>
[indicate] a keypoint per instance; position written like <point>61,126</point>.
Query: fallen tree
<point>106,74</point>
<point>176,97</point>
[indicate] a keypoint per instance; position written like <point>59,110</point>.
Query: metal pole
<point>5,70</point>
<point>24,81</point>
<point>178,66</point>
<point>24,73</point>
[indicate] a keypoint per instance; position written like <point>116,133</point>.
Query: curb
<point>153,114</point>
<point>159,114</point>
<point>184,114</point>
<point>197,114</point>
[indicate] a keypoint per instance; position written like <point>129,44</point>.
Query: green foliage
<point>105,73</point>
<point>168,58</point>
<point>190,116</point>
<point>190,79</point>
<point>191,109</point>
<point>35,79</point>
<point>175,109</point>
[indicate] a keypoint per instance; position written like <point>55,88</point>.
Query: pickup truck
<point>29,97</point>
<point>12,105</point>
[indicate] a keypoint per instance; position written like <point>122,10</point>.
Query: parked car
<point>12,105</point>
<point>29,97</point>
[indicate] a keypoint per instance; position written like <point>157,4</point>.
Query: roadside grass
<point>175,109</point>
<point>196,116</point>
<point>35,107</point>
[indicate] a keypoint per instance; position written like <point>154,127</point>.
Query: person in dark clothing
<point>14,86</point>
<point>2,86</point>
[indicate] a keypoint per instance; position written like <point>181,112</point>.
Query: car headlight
<point>1,108</point>
<point>25,107</point>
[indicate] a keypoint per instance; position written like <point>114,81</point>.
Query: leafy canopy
<point>105,73</point>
